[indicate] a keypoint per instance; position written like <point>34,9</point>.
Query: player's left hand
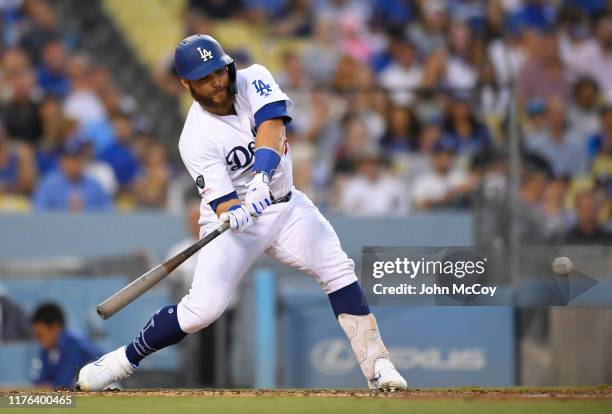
<point>238,217</point>
<point>258,197</point>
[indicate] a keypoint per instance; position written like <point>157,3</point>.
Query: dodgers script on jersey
<point>218,151</point>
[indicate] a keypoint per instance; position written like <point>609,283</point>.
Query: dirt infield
<point>516,393</point>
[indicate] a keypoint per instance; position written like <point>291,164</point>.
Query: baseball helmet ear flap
<point>231,69</point>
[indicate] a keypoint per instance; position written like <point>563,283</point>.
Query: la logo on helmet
<point>205,54</point>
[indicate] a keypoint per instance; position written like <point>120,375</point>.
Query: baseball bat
<point>145,282</point>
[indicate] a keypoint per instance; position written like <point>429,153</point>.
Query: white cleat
<point>105,372</point>
<point>386,377</point>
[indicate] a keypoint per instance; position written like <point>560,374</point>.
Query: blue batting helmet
<point>198,55</point>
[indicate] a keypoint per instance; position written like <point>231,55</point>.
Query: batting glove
<point>258,198</point>
<point>238,217</point>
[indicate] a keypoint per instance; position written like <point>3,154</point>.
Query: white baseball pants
<point>295,233</point>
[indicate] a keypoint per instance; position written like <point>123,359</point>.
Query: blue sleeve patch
<point>215,203</point>
<point>272,110</point>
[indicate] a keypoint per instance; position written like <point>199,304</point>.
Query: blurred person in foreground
<point>69,188</point>
<point>62,353</point>
<point>373,191</point>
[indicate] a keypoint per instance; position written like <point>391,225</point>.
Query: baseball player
<point>234,146</point>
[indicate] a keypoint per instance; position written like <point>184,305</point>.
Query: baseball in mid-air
<point>561,266</point>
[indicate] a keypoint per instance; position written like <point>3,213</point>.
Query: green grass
<point>319,405</point>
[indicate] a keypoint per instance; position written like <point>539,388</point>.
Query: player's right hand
<point>238,217</point>
<point>258,197</point>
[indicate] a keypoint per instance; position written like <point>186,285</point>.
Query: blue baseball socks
<point>161,331</point>
<point>349,300</point>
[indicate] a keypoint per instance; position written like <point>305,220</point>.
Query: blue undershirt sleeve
<point>215,203</point>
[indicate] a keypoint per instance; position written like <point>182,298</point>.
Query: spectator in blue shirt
<point>120,155</point>
<point>62,353</point>
<point>68,188</point>
<point>51,74</point>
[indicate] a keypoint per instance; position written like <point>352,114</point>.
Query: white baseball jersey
<point>219,151</point>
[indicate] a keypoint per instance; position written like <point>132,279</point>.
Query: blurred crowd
<point>69,138</point>
<point>399,106</point>
<point>403,106</point>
